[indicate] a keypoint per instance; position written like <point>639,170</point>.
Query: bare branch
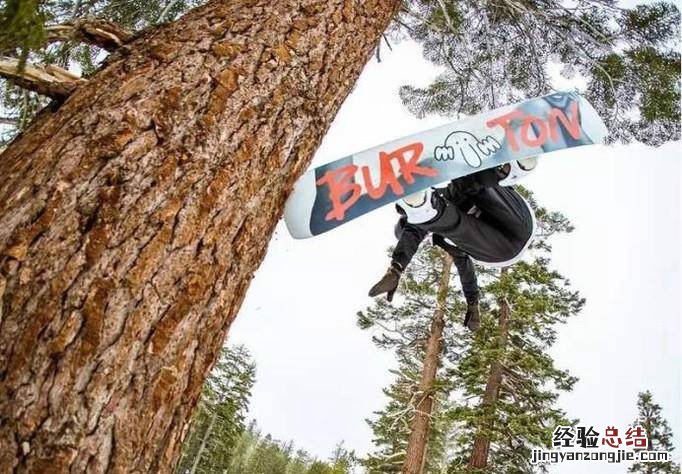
<point>390,48</point>
<point>50,80</point>
<point>102,33</point>
<point>448,20</point>
<point>166,11</point>
<point>8,121</point>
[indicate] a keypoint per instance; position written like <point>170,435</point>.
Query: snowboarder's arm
<point>409,238</point>
<point>407,246</point>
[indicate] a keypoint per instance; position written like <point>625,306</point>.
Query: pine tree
<point>429,309</point>
<point>426,401</point>
<point>258,454</point>
<point>342,461</point>
<point>495,53</point>
<point>508,380</point>
<point>219,421</point>
<point>136,209</point>
<point>659,434</point>
<point>298,464</point>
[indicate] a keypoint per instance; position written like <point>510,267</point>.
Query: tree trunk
<point>481,449</point>
<point>415,456</point>
<point>650,444</point>
<point>135,214</point>
<point>204,438</point>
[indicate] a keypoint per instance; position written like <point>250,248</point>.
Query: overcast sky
<point>319,376</point>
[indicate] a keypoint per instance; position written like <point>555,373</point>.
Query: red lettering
<point>504,121</point>
<point>340,183</point>
<point>411,167</point>
<point>408,168</point>
<point>540,131</point>
<point>572,125</point>
<point>386,178</point>
<point>543,128</point>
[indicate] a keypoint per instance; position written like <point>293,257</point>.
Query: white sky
<point>319,376</point>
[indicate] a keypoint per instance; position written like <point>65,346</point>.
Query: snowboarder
<point>478,216</point>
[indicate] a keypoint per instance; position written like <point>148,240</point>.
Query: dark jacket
<point>456,192</point>
<point>490,223</point>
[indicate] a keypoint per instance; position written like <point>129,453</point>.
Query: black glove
<point>388,283</point>
<point>472,319</point>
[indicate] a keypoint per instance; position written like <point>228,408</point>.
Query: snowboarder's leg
<point>465,268</point>
<point>467,277</point>
<point>498,235</point>
<point>472,184</point>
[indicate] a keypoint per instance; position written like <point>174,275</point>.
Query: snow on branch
<point>51,80</point>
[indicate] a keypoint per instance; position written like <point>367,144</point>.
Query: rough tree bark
<point>415,455</point>
<point>135,214</point>
<point>481,449</point>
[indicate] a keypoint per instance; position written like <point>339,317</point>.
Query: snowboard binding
<point>512,172</point>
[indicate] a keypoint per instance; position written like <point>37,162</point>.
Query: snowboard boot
<point>512,172</point>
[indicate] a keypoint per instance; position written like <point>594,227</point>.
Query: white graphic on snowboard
<point>467,146</point>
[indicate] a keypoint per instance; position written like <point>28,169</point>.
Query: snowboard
<point>335,193</point>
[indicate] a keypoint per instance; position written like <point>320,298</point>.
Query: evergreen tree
<point>659,434</point>
<point>507,381</point>
<point>497,390</point>
<point>244,448</point>
<point>495,53</point>
<point>405,327</point>
<point>258,454</point>
<point>342,461</point>
<point>299,462</point>
<point>219,420</point>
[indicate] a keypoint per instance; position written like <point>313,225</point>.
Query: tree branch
<point>102,33</point>
<point>8,121</point>
<point>166,11</point>
<point>50,80</point>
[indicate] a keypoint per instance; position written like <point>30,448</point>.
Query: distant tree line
<point>220,442</point>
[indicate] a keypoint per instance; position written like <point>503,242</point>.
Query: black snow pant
<point>465,269</point>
